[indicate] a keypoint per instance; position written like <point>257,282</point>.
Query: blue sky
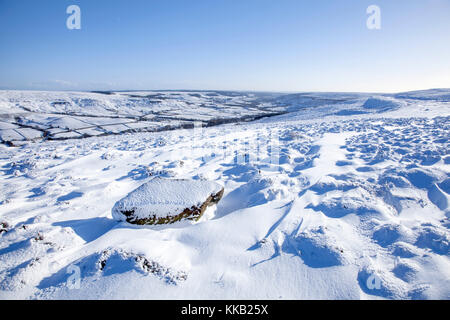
<point>283,45</point>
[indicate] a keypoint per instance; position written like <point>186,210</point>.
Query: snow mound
<point>380,103</point>
<point>316,248</point>
<point>113,262</point>
<point>165,201</point>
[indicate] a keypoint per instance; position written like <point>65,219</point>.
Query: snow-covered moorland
<point>334,196</point>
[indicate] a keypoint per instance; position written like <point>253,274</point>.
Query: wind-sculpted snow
<point>338,206</point>
<point>381,104</point>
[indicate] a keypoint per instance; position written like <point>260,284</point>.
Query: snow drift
<point>380,103</point>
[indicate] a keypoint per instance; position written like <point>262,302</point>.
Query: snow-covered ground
<point>36,116</point>
<point>343,196</point>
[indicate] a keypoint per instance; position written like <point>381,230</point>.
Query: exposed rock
<point>4,226</point>
<point>165,201</point>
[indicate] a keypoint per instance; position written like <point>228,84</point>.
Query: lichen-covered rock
<point>165,201</point>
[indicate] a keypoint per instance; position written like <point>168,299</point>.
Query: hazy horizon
<point>213,90</point>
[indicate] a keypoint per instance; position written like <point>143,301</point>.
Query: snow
<point>356,205</point>
<point>380,103</point>
<point>165,197</point>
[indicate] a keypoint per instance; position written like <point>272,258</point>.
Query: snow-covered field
<point>342,196</point>
<point>36,116</point>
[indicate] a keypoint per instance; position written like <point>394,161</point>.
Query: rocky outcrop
<point>166,201</point>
